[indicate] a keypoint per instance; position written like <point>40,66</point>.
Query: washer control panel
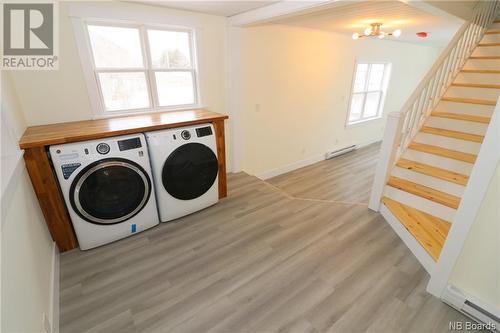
<point>103,148</point>
<point>129,144</point>
<point>68,169</point>
<point>204,131</point>
<point>186,135</point>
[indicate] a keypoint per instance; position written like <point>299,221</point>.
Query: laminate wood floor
<point>258,261</point>
<point>346,178</point>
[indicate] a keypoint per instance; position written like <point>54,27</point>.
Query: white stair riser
<point>448,143</point>
<point>477,78</point>
<point>477,93</point>
<point>439,161</point>
<point>491,38</point>
<point>424,205</point>
<point>463,108</point>
<point>482,64</point>
<point>486,51</point>
<point>457,125</point>
<point>429,181</point>
<point>494,26</point>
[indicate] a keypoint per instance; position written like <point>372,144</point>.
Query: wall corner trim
<point>54,290</point>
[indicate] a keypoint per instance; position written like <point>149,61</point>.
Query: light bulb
<point>397,33</point>
<point>355,35</point>
<point>368,31</point>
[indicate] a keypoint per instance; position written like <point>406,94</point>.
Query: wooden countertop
<point>45,135</point>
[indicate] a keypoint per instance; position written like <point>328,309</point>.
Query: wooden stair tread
<point>488,44</point>
<point>460,116</point>
<point>484,57</point>
<point>480,71</point>
<point>492,32</point>
<point>432,171</point>
<point>476,85</point>
<point>453,154</point>
<point>453,134</point>
<point>428,230</point>
<point>424,192</point>
<point>469,100</point>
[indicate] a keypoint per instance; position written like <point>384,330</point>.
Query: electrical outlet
<point>46,324</point>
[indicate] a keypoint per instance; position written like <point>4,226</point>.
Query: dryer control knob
<point>103,148</point>
<point>186,135</point>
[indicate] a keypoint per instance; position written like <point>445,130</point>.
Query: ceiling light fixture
<point>374,31</point>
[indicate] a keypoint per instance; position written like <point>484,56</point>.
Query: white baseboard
<point>367,143</point>
<point>290,167</point>
<point>305,162</point>
<point>54,292</point>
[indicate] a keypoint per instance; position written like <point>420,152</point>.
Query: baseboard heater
<point>456,298</point>
<point>339,152</point>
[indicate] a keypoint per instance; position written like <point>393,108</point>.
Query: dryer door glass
<point>190,171</point>
<point>110,191</point>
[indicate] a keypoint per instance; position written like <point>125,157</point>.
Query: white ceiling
<point>221,8</point>
<point>356,16</point>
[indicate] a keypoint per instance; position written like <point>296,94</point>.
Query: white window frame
<point>365,92</point>
<point>91,71</point>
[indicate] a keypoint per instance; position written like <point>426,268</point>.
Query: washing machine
<point>108,188</point>
<point>185,169</point>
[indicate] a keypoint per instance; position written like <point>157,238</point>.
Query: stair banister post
<point>388,152</point>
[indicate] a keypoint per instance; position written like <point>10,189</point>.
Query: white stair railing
<point>404,125</point>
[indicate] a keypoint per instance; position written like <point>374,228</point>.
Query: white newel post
<point>388,151</point>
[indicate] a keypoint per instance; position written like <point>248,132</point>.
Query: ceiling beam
<point>451,10</point>
<point>282,9</point>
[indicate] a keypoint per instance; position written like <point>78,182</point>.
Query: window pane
<point>169,49</point>
<point>376,76</point>
<point>174,88</point>
<point>356,107</point>
<point>115,47</point>
<point>122,91</point>
<point>371,104</point>
<point>360,78</point>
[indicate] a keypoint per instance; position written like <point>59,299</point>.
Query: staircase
<point>425,187</point>
<point>430,148</point>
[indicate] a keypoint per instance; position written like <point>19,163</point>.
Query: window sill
<point>363,122</point>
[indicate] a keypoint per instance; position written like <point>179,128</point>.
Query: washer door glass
<point>110,191</point>
<point>190,171</point>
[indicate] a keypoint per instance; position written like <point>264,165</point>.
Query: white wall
<point>477,271</point>
<point>61,96</point>
<point>26,245</point>
<point>295,90</point>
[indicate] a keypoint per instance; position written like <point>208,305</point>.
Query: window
<point>368,91</point>
<point>142,68</point>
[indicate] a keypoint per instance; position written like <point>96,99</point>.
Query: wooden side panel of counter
<point>49,197</point>
<point>221,156</point>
